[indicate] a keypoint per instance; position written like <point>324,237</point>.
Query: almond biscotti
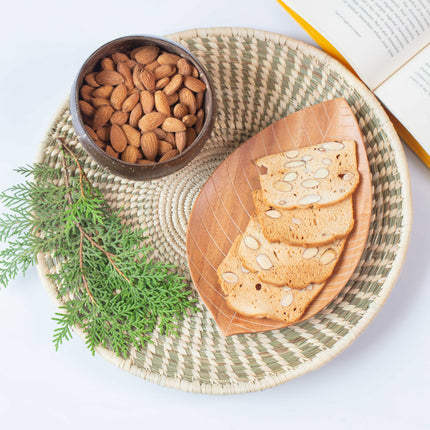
<point>249,296</point>
<point>312,176</point>
<point>304,227</point>
<point>286,265</point>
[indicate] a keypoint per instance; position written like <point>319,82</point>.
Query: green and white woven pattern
<point>258,78</point>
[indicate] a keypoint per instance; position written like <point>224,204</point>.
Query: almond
<point>147,79</point>
<point>119,94</point>
<point>174,85</point>
<point>296,163</point>
<point>152,66</point>
<point>274,214</point>
<point>251,242</point>
<point>102,116</point>
<point>289,177</point>
<point>184,67</point>
<point>91,132</point>
<point>189,120</point>
<point>119,56</point>
<point>136,77</point>
<point>119,117</point>
<point>130,154</point>
<point>161,83</point>
<point>104,92</point>
<point>164,71</point>
<point>149,145</point>
<point>143,161</point>
<point>161,134</point>
<point>103,133</point>
<point>199,99</point>
<point>310,183</point>
<point>170,138</point>
<point>173,125</point>
<point>86,108</point>
<point>101,144</point>
<point>130,102</point>
<point>179,111</point>
<point>87,92</point>
<point>109,77</point>
<point>98,101</point>
<point>173,99</point>
<point>133,91</point>
<point>191,136</point>
<point>163,147</point>
<point>161,103</point>
<point>130,64</point>
<point>125,72</point>
<point>110,151</point>
<point>168,58</point>
<point>328,256</point>
<point>230,277</point>
<point>321,173</point>
<point>107,64</point>
<point>151,120</point>
<point>186,97</point>
<point>133,135</point>
<point>282,186</point>
<point>88,120</point>
<point>135,115</point>
<point>147,101</point>
<point>181,140</point>
<point>309,253</point>
<point>133,52</point>
<point>118,138</point>
<point>263,261</point>
<point>146,55</point>
<point>292,154</point>
<point>90,79</point>
<point>309,199</point>
<point>195,72</point>
<point>169,155</point>
<point>194,84</point>
<point>199,123</point>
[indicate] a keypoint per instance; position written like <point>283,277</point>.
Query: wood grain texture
<point>223,208</point>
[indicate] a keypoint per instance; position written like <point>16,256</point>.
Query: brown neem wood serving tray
<point>223,208</point>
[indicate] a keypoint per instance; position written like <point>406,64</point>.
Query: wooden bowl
<point>122,168</point>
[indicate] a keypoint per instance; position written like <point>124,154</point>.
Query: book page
<point>376,37</point>
<point>407,96</point>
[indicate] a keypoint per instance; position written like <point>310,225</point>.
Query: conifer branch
<point>109,285</point>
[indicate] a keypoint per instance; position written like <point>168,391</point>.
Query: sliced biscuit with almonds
<point>304,227</point>
<point>311,176</point>
<point>286,265</point>
<point>249,296</point>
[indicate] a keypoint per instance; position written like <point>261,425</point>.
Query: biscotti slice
<point>247,295</point>
<point>316,176</point>
<point>282,264</point>
<point>304,227</point>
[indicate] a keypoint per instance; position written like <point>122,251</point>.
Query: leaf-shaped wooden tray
<point>223,208</point>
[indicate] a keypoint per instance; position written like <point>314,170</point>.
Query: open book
<point>387,44</point>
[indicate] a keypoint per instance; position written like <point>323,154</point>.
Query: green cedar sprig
<point>112,289</point>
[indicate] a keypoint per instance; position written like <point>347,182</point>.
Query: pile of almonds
<point>143,106</point>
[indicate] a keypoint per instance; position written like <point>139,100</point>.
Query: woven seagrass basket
<point>258,77</point>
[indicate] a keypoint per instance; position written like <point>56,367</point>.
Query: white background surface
<point>381,381</point>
